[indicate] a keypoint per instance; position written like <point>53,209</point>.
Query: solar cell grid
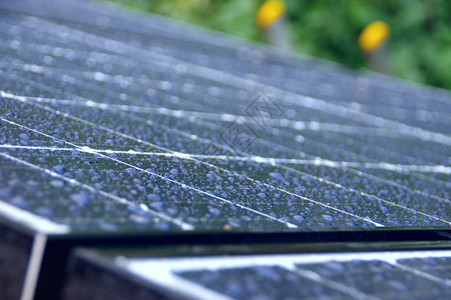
<point>109,128</point>
<point>383,275</point>
<point>180,115</point>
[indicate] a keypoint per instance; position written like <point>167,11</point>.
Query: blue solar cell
<point>120,128</point>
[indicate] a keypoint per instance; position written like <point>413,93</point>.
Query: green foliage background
<point>419,47</point>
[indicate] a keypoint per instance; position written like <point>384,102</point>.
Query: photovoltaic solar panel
<point>358,275</point>
<point>146,122</point>
<point>117,124</point>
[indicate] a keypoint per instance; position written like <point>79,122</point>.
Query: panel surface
<point>111,127</point>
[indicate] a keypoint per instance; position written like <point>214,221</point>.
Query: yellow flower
<point>373,36</point>
<point>270,12</point>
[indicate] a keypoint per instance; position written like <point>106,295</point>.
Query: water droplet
<point>276,175</point>
<point>174,172</point>
<point>24,136</point>
<point>328,218</point>
<point>153,197</point>
<point>214,211</point>
<point>140,219</point>
<point>158,205</point>
<point>299,218</point>
<point>81,198</point>
<point>59,169</point>
<point>57,183</point>
<point>131,171</point>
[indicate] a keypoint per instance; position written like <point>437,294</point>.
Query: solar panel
<point>116,125</point>
<point>357,275</point>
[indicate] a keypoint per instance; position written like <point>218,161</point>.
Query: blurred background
<point>419,47</point>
